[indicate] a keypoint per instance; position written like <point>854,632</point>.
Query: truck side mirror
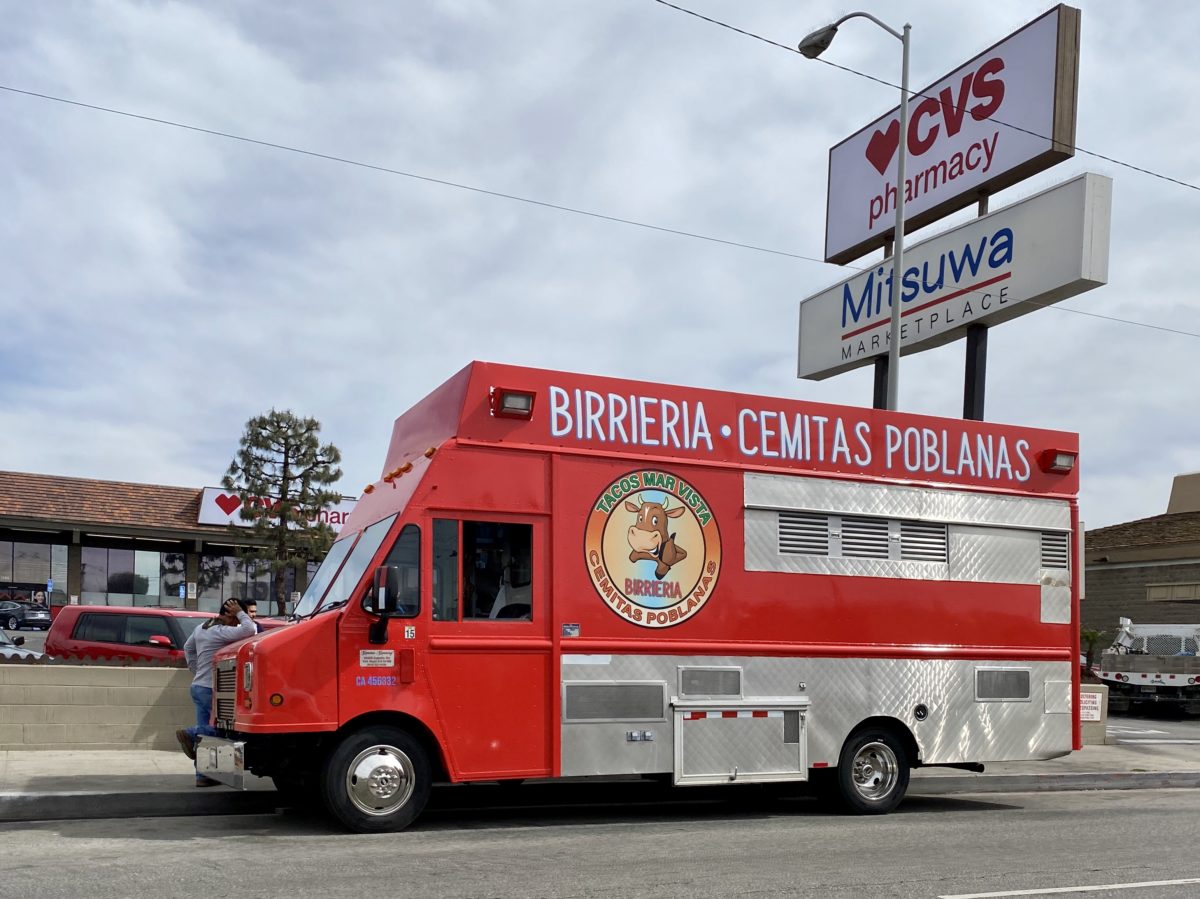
<point>385,583</point>
<point>381,601</point>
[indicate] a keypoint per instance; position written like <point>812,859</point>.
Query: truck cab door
<point>489,652</point>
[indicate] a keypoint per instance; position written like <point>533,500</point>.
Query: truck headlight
<point>247,677</point>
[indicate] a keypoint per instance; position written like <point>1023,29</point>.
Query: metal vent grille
<point>614,702</point>
<point>710,682</point>
<point>1055,550</point>
<point>1001,683</point>
<point>1165,645</point>
<point>923,541</point>
<point>865,538</point>
<point>804,533</point>
<point>226,677</point>
<point>225,709</point>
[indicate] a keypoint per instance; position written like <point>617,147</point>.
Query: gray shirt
<point>204,642</point>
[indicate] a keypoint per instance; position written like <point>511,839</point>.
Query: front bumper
<point>225,760</point>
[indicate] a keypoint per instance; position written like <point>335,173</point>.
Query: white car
<point>10,649</point>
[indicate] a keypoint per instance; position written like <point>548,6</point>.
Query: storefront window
<point>121,577</point>
<point>27,570</point>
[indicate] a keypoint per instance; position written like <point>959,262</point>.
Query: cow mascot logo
<point>653,548</point>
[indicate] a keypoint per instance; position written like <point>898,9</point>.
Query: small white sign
<point>191,590</point>
<point>376,658</point>
<point>1089,705</point>
<point>1039,251</point>
<point>1006,114</point>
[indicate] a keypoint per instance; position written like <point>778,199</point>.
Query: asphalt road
<point>933,847</point>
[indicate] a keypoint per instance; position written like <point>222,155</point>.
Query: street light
<point>813,46</point>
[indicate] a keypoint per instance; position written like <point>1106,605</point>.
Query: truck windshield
<point>324,574</point>
<point>351,573</point>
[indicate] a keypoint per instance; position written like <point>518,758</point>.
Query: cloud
<point>163,286</point>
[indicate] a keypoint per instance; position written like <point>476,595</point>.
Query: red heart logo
<point>882,147</point>
<point>228,503</point>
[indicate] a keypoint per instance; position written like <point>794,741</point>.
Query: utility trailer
<point>1152,664</point>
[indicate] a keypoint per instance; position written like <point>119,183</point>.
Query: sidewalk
<point>46,785</point>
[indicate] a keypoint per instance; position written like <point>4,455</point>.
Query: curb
<point>936,785</point>
<point>89,805</point>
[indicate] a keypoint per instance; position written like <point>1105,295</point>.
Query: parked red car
<point>121,632</point>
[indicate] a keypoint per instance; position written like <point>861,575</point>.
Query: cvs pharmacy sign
<point>221,507</point>
<point>1006,114</point>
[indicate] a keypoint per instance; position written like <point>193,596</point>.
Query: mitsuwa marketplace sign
<point>1041,250</point>
<point>1003,116</point>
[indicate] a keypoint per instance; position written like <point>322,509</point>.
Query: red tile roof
<point>67,502</point>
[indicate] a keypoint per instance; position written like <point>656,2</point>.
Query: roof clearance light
<point>1056,460</point>
<point>508,403</point>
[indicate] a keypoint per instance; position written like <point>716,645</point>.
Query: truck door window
<point>405,558</point>
<point>445,570</point>
<point>489,564</point>
<point>497,570</point>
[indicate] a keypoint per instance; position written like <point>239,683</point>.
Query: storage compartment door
<point>740,744</point>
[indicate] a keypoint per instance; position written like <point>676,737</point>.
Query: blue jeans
<point>202,698</point>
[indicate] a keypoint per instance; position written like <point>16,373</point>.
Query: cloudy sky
<point>164,285</point>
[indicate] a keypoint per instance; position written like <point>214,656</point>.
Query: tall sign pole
<point>898,260</point>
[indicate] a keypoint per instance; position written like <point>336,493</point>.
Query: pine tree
<point>283,474</point>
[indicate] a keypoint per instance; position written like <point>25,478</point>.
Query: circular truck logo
<point>653,549</point>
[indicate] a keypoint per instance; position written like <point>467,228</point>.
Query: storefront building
<point>76,540</point>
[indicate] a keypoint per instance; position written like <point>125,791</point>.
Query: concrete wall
<point>1114,591</point>
<point>92,707</point>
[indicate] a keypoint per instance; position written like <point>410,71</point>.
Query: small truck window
<point>493,562</point>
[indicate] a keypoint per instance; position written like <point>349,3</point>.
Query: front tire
<point>377,780</point>
<point>872,773</point>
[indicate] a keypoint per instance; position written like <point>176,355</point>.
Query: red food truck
<point>560,575</point>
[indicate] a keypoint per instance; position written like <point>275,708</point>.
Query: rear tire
<point>12,624</point>
<point>872,774</point>
<point>377,780</point>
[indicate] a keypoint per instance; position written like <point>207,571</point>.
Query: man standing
<point>252,610</point>
<point>231,625</point>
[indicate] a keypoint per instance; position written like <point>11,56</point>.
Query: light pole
<point>812,47</point>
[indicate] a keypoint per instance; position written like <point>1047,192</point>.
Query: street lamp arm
<point>866,15</point>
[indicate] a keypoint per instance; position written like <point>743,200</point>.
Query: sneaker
<point>202,781</point>
<point>186,743</point>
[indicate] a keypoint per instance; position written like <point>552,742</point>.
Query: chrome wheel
<point>380,780</point>
<point>875,771</point>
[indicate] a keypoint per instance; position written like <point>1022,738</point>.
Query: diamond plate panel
<point>735,750</point>
<point>842,693</point>
<point>895,501</point>
<point>1056,595</point>
<point>1058,697</point>
<point>994,555</point>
